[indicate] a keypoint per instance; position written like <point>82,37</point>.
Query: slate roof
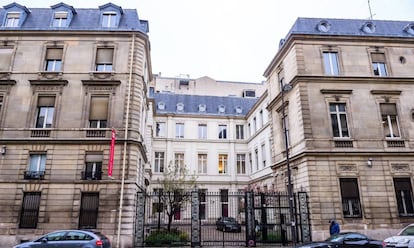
<point>83,19</point>
<point>192,102</point>
<point>352,27</point>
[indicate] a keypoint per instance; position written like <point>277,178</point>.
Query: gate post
<point>250,223</point>
<point>304,217</point>
<point>140,218</point>
<point>195,219</point>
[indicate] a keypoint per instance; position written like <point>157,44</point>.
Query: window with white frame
<point>222,163</point>
<point>37,165</point>
<point>202,131</point>
<point>93,167</point>
<point>60,19</point>
<point>239,131</point>
<point>378,64</point>
<point>98,112</point>
<point>104,59</point>
<point>179,160</point>
<point>45,111</point>
<point>339,120</point>
<point>285,130</point>
<point>53,59</point>
<point>241,164</point>
<point>404,195</point>
<point>109,19</point>
<point>159,162</point>
<point>256,158</point>
<point>202,163</point>
<point>263,148</point>
<point>12,19</point>
<point>330,63</point>
<point>179,130</point>
<point>160,128</point>
<point>222,132</point>
<point>351,206</point>
<point>390,122</point>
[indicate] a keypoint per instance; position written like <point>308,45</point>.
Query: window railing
<point>395,143</point>
<point>98,133</point>
<point>40,133</point>
<point>34,175</point>
<point>351,207</point>
<point>344,143</point>
<point>91,175</point>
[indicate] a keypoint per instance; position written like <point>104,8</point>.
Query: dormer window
<point>180,107</point>
<point>238,109</point>
<point>409,28</point>
<point>60,19</point>
<point>221,109</point>
<point>368,27</point>
<point>12,19</point>
<point>202,108</point>
<point>109,19</point>
<point>161,105</point>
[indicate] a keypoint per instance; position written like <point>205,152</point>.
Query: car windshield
<point>409,231</point>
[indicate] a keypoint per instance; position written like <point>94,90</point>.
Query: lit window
<point>98,113</point>
<point>45,111</point>
<point>109,20</point>
<point>339,120</point>
<point>53,59</point>
<point>12,19</point>
<point>390,122</point>
<point>60,19</point>
<point>330,62</point>
<point>378,64</point>
<point>104,59</point>
<point>351,206</point>
<point>222,164</point>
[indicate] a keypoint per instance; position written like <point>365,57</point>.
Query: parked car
<point>345,239</point>
<point>69,239</point>
<point>228,224</point>
<point>404,238</point>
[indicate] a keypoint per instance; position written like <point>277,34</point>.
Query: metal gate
<point>224,218</point>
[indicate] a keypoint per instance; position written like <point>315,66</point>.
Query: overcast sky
<point>232,40</point>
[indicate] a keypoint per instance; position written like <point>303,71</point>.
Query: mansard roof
<point>84,19</point>
<point>233,106</point>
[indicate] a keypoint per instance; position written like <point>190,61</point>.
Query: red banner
<point>111,154</point>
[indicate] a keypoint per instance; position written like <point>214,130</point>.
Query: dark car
<point>228,224</point>
<point>346,239</point>
<point>69,239</point>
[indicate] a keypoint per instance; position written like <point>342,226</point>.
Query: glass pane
<point>344,126</point>
<point>394,126</point>
<point>335,126</point>
<point>49,119</point>
<point>387,131</point>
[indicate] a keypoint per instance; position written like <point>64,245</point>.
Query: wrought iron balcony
<point>34,175</point>
<point>91,175</point>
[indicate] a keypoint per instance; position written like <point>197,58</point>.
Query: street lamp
<point>286,88</point>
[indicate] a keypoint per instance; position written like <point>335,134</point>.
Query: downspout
<point>121,198</point>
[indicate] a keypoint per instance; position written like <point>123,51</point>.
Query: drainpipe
<point>121,198</point>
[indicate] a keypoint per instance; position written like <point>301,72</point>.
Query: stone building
<point>68,77</point>
<point>348,87</point>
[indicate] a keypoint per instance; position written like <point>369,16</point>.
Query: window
<point>351,206</point>
<point>202,131</point>
<point>202,108</point>
<point>251,161</point>
<point>254,125</point>
<point>160,129</point>
<point>263,148</point>
<point>261,122</point>
<point>6,54</point>
<point>98,112</point>
<point>180,107</point>
<point>239,131</point>
<point>159,162</point>
<point>249,93</point>
<point>241,164</point>
<point>104,59</point>
<point>202,163</point>
<point>378,64</point>
<point>221,109</point>
<point>53,59</point>
<point>404,195</point>
<point>256,158</point>
<point>109,20</point>
<point>179,130</point>
<point>60,19</point>
<point>222,132</point>
<point>30,210</point>
<point>37,165</point>
<point>390,122</point>
<point>45,111</point>
<point>339,120</point>
<point>285,131</point>
<point>93,167</point>
<point>12,19</point>
<point>179,160</point>
<point>330,63</point>
<point>222,163</point>
<point>88,215</point>
<point>224,200</point>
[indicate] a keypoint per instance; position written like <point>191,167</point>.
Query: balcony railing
<point>34,175</point>
<point>91,175</point>
<point>344,143</point>
<point>395,143</point>
<point>40,133</point>
<point>99,133</point>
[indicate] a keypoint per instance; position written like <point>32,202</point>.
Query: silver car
<point>405,238</point>
<point>69,239</point>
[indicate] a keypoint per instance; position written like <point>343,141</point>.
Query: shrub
<point>165,238</point>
